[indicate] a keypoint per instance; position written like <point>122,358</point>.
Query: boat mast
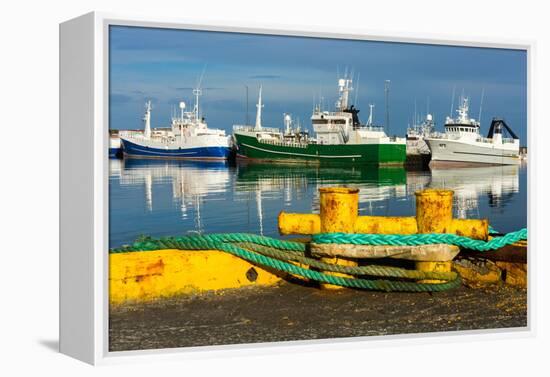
<point>147,120</point>
<point>197,92</point>
<point>182,108</point>
<point>259,106</point>
<point>246,122</point>
<point>357,89</point>
<point>288,123</point>
<point>387,96</point>
<point>370,120</point>
<point>344,87</point>
<point>481,105</point>
<point>463,110</point>
<point>427,105</point>
<point>452,101</point>
<point>415,123</point>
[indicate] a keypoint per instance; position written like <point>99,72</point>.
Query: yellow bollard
<point>339,209</point>
<point>474,228</point>
<point>434,214</point>
<point>434,211</point>
<point>299,223</point>
<point>385,225</point>
<point>339,212</point>
<point>433,267</point>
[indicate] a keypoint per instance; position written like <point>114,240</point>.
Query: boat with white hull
<point>188,138</point>
<point>461,143</point>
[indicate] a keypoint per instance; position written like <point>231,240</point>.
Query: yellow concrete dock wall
<point>148,275</point>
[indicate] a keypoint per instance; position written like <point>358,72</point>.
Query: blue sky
<point>164,64</point>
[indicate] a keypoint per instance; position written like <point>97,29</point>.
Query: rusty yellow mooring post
<point>433,215</point>
<point>339,213</point>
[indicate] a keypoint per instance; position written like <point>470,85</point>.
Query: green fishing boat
<point>339,138</point>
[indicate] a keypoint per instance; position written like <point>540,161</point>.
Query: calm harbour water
<point>168,198</point>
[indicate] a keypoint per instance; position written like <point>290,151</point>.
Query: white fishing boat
<point>462,143</point>
<point>188,137</point>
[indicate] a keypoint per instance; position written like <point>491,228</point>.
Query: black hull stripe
<point>487,154</point>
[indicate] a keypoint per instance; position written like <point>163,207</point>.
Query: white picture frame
<point>84,83</point>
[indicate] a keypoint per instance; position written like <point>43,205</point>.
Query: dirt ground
<point>294,312</point>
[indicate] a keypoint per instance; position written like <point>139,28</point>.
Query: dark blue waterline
<point>136,150</point>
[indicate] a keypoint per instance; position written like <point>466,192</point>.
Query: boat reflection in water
<point>297,187</point>
<point>496,192</point>
<point>157,197</point>
<point>162,198</point>
<point>498,184</point>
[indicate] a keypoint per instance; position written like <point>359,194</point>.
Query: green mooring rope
<point>420,239</point>
<point>280,255</point>
<point>284,252</point>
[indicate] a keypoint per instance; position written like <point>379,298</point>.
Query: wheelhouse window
<point>320,121</point>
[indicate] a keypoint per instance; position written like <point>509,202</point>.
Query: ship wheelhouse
<point>462,127</point>
<point>463,131</point>
<point>332,127</point>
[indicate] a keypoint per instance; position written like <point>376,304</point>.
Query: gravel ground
<point>293,312</point>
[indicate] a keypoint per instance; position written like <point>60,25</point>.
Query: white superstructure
<point>462,142</point>
<point>416,134</point>
<point>342,125</point>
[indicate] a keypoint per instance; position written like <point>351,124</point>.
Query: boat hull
<point>453,152</point>
<point>115,152</point>
<point>133,150</point>
<point>248,147</point>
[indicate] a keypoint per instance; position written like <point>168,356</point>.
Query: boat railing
<point>484,140</point>
<point>396,138</point>
<point>283,143</point>
<point>369,128</point>
<point>244,128</point>
<point>130,133</point>
<point>439,135</point>
<point>155,139</point>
